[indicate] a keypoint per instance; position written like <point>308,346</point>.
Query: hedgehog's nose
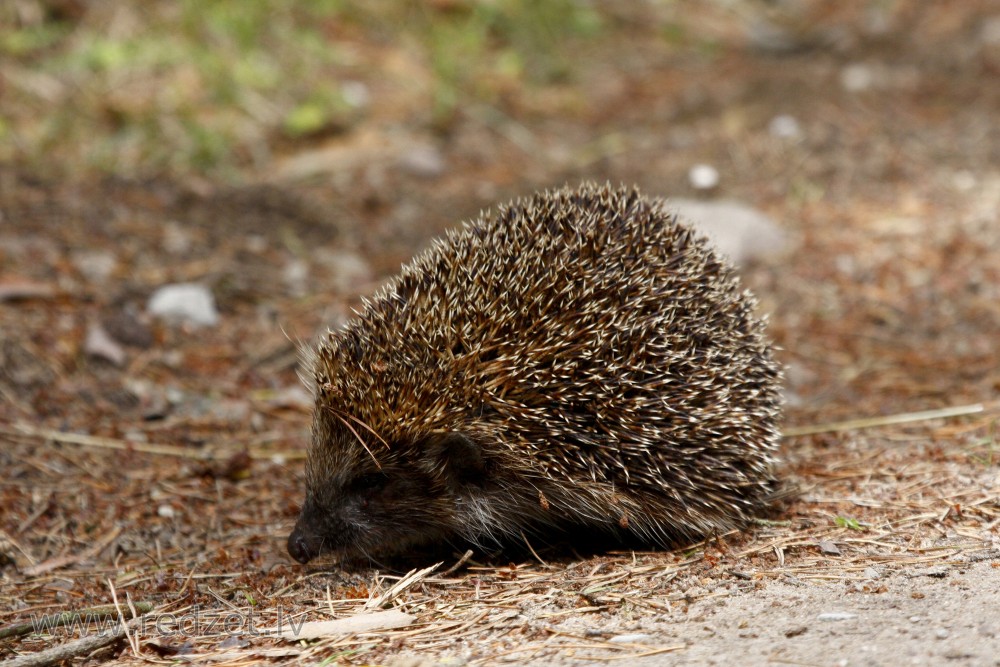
<point>302,546</point>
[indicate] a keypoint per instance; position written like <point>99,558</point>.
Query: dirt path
<point>940,616</point>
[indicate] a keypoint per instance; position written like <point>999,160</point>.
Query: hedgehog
<point>579,363</point>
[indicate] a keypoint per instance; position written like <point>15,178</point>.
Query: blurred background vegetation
<point>224,89</point>
<point>147,87</point>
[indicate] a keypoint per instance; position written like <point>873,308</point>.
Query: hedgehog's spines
<point>596,349</point>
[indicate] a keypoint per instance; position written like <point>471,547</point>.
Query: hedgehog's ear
<point>459,457</point>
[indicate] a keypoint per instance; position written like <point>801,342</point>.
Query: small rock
<point>295,275</point>
<point>770,37</point>
<point>878,20</point>
<point>294,396</point>
<point>829,548</point>
<point>101,345</point>
<point>135,435</point>
<point>784,127</point>
<point>964,180</point>
<point>938,572</point>
<point>233,641</point>
<point>186,302</point>
<point>424,161</point>
<point>635,638</point>
<point>857,77</point>
<point>740,232</point>
<point>95,265</point>
<point>409,661</point>
<point>349,270</point>
<point>703,176</point>
<point>941,633</point>
<point>837,616</point>
<point>793,580</point>
<point>796,631</point>
<point>177,239</point>
<point>256,244</point>
<point>989,31</point>
<point>355,93</point>
<point>872,573</point>
<point>416,661</point>
<point>959,655</point>
<point>165,511</point>
<point>230,411</point>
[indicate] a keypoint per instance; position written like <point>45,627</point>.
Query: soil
<point>166,464</point>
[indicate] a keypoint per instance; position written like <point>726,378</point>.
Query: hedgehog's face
<point>410,499</point>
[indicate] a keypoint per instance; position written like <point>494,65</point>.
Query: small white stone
<point>635,638</point>
<point>785,127</point>
<point>964,180</point>
<point>355,93</point>
<point>255,243</point>
<point>165,511</point>
<point>857,77</point>
<point>349,270</point>
<point>295,275</point>
<point>989,31</point>
<point>703,176</point>
<point>100,344</point>
<point>95,265</point>
<point>837,616</point>
<point>177,239</point>
<point>737,230</point>
<point>423,160</point>
<point>941,633</point>
<point>186,302</point>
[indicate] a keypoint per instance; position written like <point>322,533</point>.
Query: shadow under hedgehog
<point>577,363</point>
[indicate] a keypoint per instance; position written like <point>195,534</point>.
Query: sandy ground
<point>945,616</point>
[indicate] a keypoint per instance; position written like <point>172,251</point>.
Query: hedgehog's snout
<point>303,544</point>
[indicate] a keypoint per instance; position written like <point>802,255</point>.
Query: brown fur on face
<point>579,362</point>
<point>411,495</point>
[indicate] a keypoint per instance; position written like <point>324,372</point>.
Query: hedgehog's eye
<point>369,483</point>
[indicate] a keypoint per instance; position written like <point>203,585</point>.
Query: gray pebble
<point>785,127</point>
<point>635,638</point>
<point>837,616</point>
<point>95,265</point>
<point>703,176</point>
<point>185,302</point>
<point>740,232</point>
<point>99,344</point>
<point>857,77</point>
<point>424,161</point>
